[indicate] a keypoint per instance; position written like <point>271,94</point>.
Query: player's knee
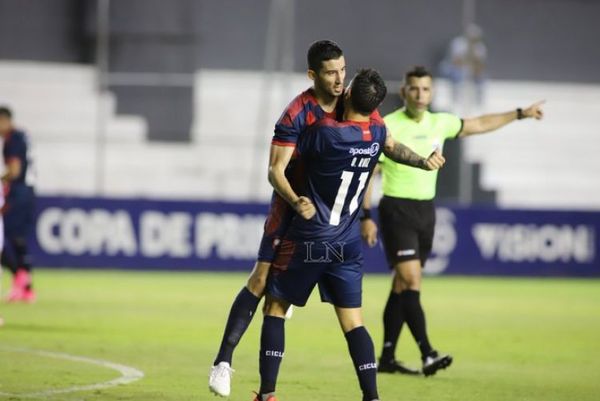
<point>412,283</point>
<point>349,319</point>
<point>398,285</point>
<point>257,282</point>
<point>403,282</point>
<point>351,325</point>
<point>407,277</point>
<point>275,307</point>
<point>257,285</point>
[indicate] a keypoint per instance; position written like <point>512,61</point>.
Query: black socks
<point>272,345</point>
<point>362,352</point>
<point>241,314</point>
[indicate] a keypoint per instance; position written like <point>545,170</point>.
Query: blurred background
<point>150,122</point>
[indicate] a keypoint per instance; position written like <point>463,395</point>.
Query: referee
<point>407,213</point>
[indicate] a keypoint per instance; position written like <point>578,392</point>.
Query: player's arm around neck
<point>404,155</point>
<point>278,160</point>
<point>491,122</point>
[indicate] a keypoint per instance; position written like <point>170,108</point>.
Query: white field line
<point>128,374</point>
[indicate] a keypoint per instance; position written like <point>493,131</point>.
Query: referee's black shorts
<point>407,227</point>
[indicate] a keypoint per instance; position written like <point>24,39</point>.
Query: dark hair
<point>418,72</point>
<point>322,50</point>
<point>367,92</point>
<point>5,112</point>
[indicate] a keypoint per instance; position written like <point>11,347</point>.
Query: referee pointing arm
<point>407,213</point>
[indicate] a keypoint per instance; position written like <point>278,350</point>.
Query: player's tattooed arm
<point>404,155</point>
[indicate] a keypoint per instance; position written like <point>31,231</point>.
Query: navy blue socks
<point>272,345</point>
<point>362,352</point>
<point>241,314</point>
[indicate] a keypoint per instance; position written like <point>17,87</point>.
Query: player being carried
<point>324,247</point>
<point>327,70</point>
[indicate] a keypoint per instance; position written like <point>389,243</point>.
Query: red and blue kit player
<point>327,70</point>
<point>300,114</point>
<point>324,247</point>
<point>18,209</point>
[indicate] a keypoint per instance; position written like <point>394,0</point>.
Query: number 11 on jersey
<point>342,194</point>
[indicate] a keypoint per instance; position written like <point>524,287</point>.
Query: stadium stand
<point>548,165</point>
<point>528,164</point>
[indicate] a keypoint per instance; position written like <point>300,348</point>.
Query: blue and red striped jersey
<point>302,112</point>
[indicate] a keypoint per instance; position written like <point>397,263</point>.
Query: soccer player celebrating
<point>327,70</point>
<point>18,210</point>
<point>407,214</point>
<point>324,246</point>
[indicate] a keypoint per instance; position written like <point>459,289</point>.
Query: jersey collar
<point>425,116</point>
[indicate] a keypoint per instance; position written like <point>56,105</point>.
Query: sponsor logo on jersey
<point>372,150</point>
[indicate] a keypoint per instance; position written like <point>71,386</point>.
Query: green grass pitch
<point>512,339</point>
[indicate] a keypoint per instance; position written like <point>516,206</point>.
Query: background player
<point>339,158</point>
<point>406,211</point>
<point>1,246</point>
<point>19,208</point>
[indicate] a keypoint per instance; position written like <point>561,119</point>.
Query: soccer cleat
<point>28,296</point>
<point>15,294</point>
<point>219,379</point>
<point>259,397</point>
<point>20,280</point>
<point>434,362</point>
<point>394,366</point>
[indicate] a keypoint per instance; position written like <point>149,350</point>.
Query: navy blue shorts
<point>277,223</point>
<point>336,268</point>
<point>19,211</point>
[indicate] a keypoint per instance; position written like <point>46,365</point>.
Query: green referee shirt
<point>422,137</point>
